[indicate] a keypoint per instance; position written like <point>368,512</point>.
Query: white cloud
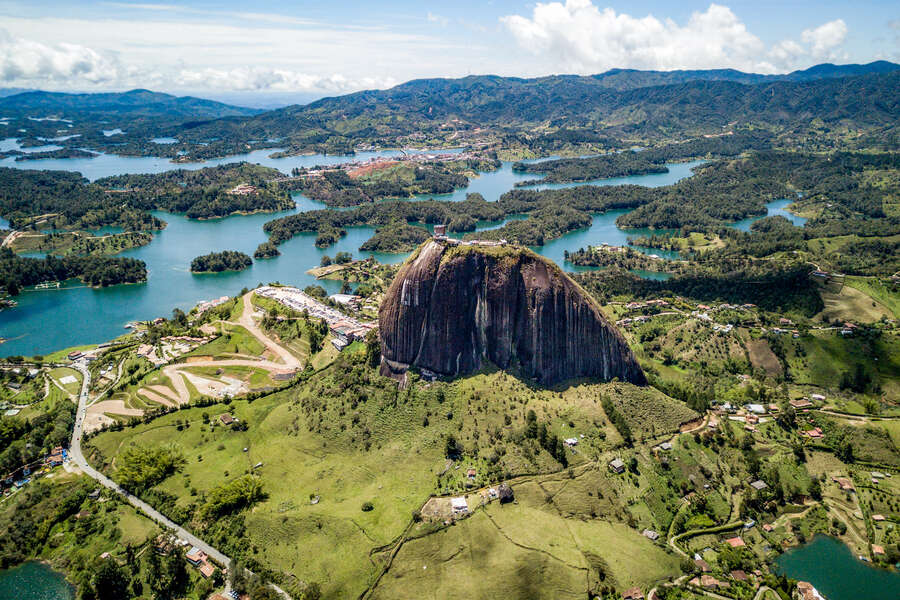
<point>194,56</point>
<point>826,38</point>
<point>580,36</point>
<point>439,19</point>
<point>26,61</point>
<point>264,79</point>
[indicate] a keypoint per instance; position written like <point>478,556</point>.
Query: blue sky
<point>301,50</point>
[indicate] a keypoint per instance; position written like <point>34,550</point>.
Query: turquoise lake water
<point>48,320</point>
<point>830,566</point>
<point>34,581</point>
<point>776,208</point>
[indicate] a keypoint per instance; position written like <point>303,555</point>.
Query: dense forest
<point>663,112</point>
<point>651,160</point>
<point>204,193</point>
<point>395,237</point>
<point>402,180</point>
<point>17,272</point>
<point>65,200</point>
<point>216,262</point>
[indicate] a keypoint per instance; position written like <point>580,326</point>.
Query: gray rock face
<point>451,308</point>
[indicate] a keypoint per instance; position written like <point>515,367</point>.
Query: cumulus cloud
<point>26,61</point>
<point>265,79</point>
<point>825,39</point>
<point>30,63</point>
<point>580,36</point>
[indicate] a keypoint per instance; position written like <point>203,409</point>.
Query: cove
<point>830,566</point>
<point>773,209</point>
<point>34,581</point>
<point>48,320</point>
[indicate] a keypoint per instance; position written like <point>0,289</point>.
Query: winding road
<point>77,456</point>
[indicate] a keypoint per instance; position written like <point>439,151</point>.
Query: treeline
<point>617,164</point>
<point>17,272</point>
<point>548,441</point>
<point>651,160</point>
<point>204,193</point>
<point>875,254</point>
<point>216,262</point>
<point>337,188</point>
<point>65,201</point>
<point>23,441</point>
<point>771,286</point>
<point>618,420</point>
<point>395,237</point>
<point>623,258</point>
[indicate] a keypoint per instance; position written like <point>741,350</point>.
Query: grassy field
<point>235,340</point>
<point>349,445</point>
<point>879,292</point>
<point>855,302</point>
<point>525,550</point>
<point>59,373</point>
<point>822,357</point>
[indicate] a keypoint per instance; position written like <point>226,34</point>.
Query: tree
<point>452,448</point>
<point>179,317</point>
<point>109,582</point>
<point>373,349</point>
<point>326,260</point>
<point>312,591</point>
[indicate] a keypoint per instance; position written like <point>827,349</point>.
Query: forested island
<point>641,162</point>
<point>395,237</point>
<point>216,262</point>
<point>17,272</point>
<point>204,193</point>
<point>80,243</point>
<point>65,200</point>
<point>267,250</point>
<point>394,179</point>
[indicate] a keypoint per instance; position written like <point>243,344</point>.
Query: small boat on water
<point>46,285</point>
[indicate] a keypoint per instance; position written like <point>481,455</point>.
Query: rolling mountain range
<point>134,103</point>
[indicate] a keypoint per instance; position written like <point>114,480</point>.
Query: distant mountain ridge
<point>133,103</point>
<point>623,79</point>
<point>861,101</point>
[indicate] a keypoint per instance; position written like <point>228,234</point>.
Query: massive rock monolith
<point>452,307</point>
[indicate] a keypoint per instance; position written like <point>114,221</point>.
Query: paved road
<point>78,457</point>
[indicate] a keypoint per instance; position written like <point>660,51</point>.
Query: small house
<point>800,403</point>
<point>877,550</point>
<point>459,505</point>
<point>634,593</point>
<point>702,565</point>
<point>758,485</point>
<point>739,575</point>
<point>471,473</point>
<point>665,446</point>
<point>616,465</point>
<point>650,534</point>
<point>196,556</point>
<point>845,483</point>
<point>227,419</point>
<point>571,441</point>
<point>735,542</point>
<point>878,517</point>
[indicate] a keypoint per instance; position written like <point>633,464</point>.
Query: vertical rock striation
<point>451,307</point>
